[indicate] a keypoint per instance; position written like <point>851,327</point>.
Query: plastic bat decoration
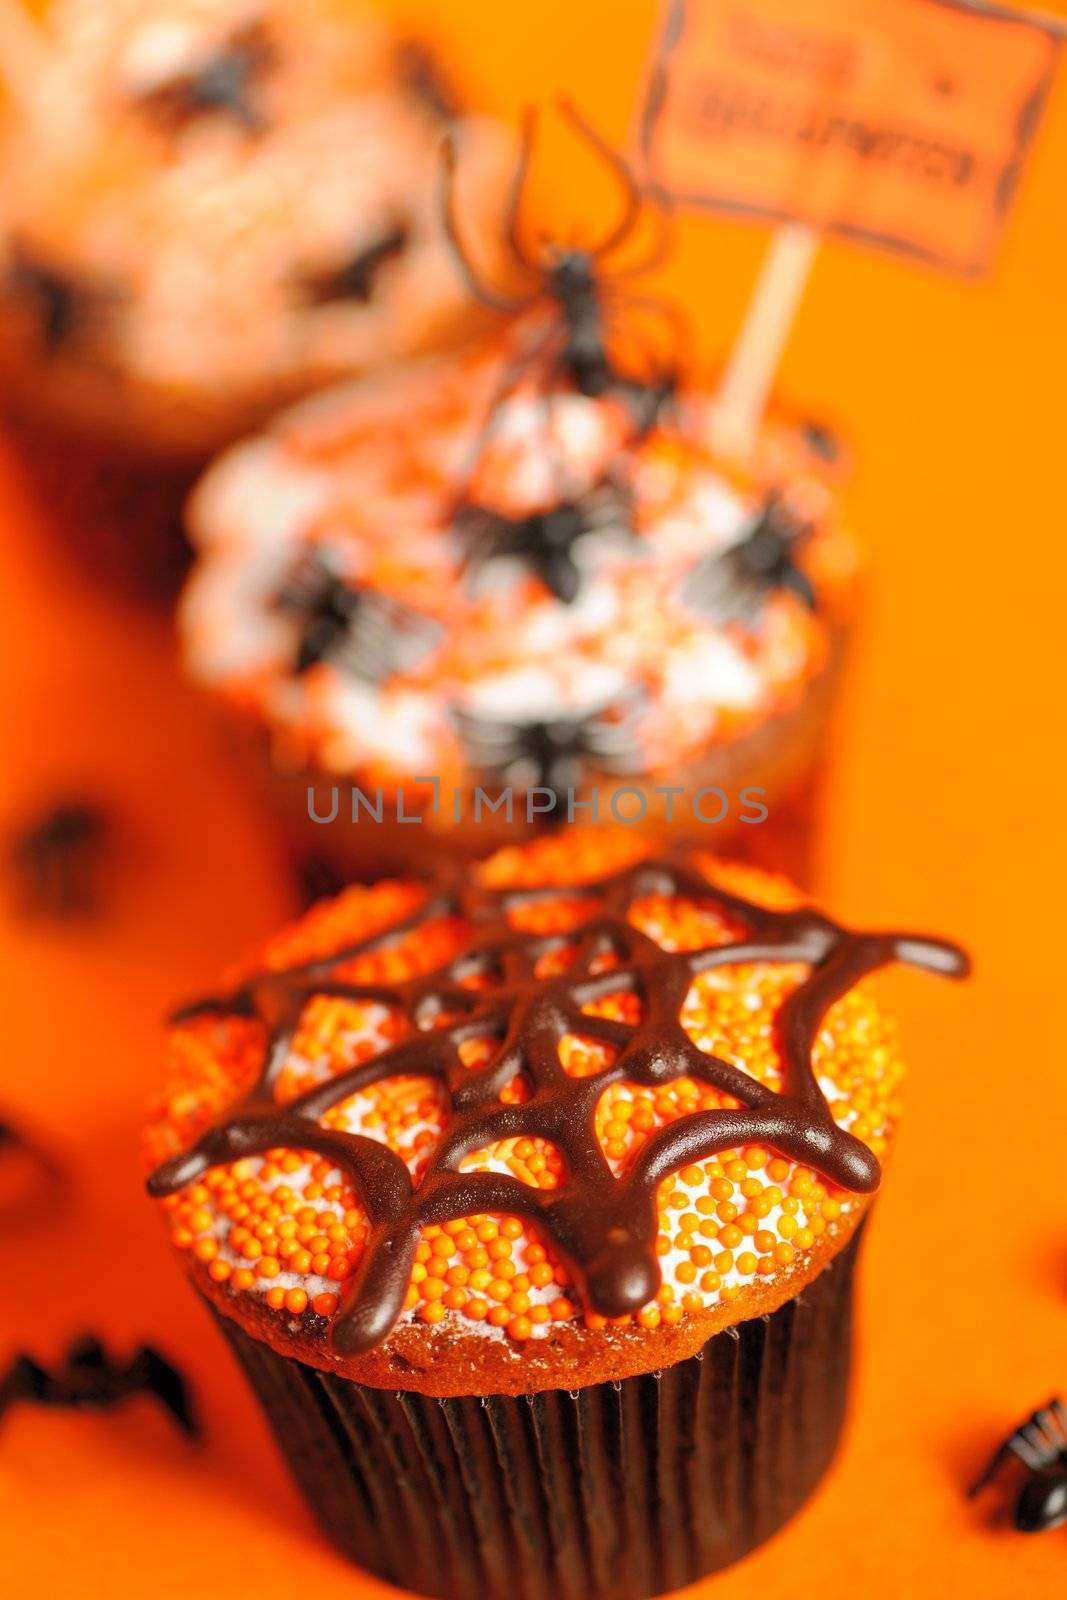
<point>89,1377</point>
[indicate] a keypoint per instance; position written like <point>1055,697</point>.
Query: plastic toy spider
<point>59,858</point>
<point>553,754</point>
<point>544,540</point>
<point>576,280</point>
<point>732,585</point>
<point>224,82</point>
<point>355,278</point>
<point>89,1377</point>
<point>1040,1443</point>
<point>66,305</point>
<point>360,630</point>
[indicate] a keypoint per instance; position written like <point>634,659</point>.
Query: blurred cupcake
<point>531,1221</point>
<point>218,206</point>
<point>471,584</point>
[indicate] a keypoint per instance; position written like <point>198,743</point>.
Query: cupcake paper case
<point>475,571</point>
<point>529,1200</point>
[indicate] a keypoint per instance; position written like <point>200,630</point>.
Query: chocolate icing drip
<point>603,1226</point>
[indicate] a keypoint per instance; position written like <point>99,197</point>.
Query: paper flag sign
<point>903,123</point>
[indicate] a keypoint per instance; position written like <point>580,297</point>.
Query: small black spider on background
<point>355,278</point>
<point>65,303</point>
<point>89,1377</point>
<point>60,858</point>
<point>576,280</point>
<point>732,585</point>
<point>27,1170</point>
<point>554,754</point>
<point>1040,1443</point>
<point>225,81</point>
<point>362,631</point>
<point>822,440</point>
<point>544,540</point>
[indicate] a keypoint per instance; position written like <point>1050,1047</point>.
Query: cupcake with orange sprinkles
<point>529,1198</point>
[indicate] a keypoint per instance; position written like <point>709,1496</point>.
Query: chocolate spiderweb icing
<point>602,1225</point>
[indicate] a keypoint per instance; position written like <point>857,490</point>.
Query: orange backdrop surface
<point>946,809</point>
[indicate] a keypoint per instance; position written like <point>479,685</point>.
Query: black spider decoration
<point>544,540</point>
<point>822,440</point>
<point>732,585</point>
<point>58,860</point>
<point>355,278</point>
<point>1040,1443</point>
<point>554,754</point>
<point>574,280</point>
<point>89,1377</point>
<point>225,81</point>
<point>361,630</point>
<point>66,304</point>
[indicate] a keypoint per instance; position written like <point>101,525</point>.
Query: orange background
<point>945,811</point>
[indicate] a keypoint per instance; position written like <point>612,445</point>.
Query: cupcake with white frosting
<point>461,595</point>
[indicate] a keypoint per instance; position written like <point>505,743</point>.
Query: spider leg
<point>509,380</point>
<point>513,206</point>
<point>632,197</point>
<point>155,1375</point>
<point>990,1470</point>
<point>509,305</point>
<point>657,254</point>
<point>1058,1411</point>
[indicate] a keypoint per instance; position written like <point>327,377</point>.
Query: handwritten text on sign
<point>901,122</point>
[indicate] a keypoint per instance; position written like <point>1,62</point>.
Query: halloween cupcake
<point>459,604</point>
<point>529,1199</point>
<point>211,208</point>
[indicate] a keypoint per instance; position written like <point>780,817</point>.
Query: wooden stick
<point>757,352</point>
<point>27,60</point>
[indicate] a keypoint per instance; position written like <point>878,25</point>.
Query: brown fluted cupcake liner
<point>616,1491</point>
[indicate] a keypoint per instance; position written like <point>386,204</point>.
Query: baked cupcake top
<point>570,1115</point>
<point>423,572</point>
<point>228,202</point>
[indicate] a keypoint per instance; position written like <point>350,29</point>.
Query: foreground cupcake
<point>505,1189</point>
<point>473,596</point>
